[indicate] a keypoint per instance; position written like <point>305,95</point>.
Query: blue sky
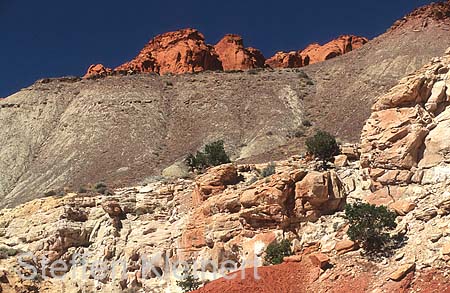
<point>52,38</point>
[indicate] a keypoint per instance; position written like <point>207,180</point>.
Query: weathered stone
<point>402,271</point>
<point>344,246</point>
<point>446,249</point>
<point>214,181</point>
<point>402,207</point>
<point>320,260</point>
<point>341,161</point>
<point>293,258</point>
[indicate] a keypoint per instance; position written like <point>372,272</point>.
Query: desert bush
<point>369,225</point>
<point>323,146</point>
<point>189,282</point>
<point>306,123</point>
<point>6,252</point>
<point>102,188</point>
<point>213,155</point>
<point>268,170</point>
<point>276,251</point>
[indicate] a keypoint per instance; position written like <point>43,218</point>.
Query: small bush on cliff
<point>213,155</point>
<point>276,251</point>
<point>189,282</point>
<point>323,146</point>
<point>369,225</point>
<point>268,170</point>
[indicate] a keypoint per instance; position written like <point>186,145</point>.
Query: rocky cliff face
<point>406,133</point>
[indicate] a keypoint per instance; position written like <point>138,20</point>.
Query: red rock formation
<point>285,60</point>
<point>235,56</point>
<point>174,52</point>
<point>97,70</point>
<point>185,51</point>
<point>316,53</point>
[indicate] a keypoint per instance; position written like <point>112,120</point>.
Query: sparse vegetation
<point>323,146</point>
<point>369,225</point>
<point>6,252</point>
<point>82,190</point>
<point>189,282</point>
<point>213,155</point>
<point>276,251</point>
<point>268,170</point>
<point>102,188</point>
<point>306,123</point>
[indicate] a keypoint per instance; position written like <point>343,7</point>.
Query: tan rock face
<point>236,214</point>
<point>234,56</point>
<point>174,52</point>
<point>409,125</point>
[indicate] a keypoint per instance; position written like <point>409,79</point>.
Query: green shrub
<point>369,225</point>
<point>189,282</point>
<point>268,170</point>
<point>276,251</point>
<point>213,155</point>
<point>323,146</point>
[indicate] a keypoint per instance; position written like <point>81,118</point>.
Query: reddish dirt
<point>304,277</point>
<point>286,278</point>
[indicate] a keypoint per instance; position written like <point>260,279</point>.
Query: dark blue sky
<point>51,38</point>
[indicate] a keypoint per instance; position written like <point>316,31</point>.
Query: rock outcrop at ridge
<point>422,16</point>
<point>285,60</point>
<point>409,127</point>
<point>185,51</point>
<point>97,70</point>
<point>235,56</point>
<point>315,53</point>
<point>174,52</point>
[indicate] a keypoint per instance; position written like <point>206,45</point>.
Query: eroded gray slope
<point>121,129</point>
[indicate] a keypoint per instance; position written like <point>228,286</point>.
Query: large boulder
<point>214,181</point>
<point>317,194</point>
<point>234,56</point>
